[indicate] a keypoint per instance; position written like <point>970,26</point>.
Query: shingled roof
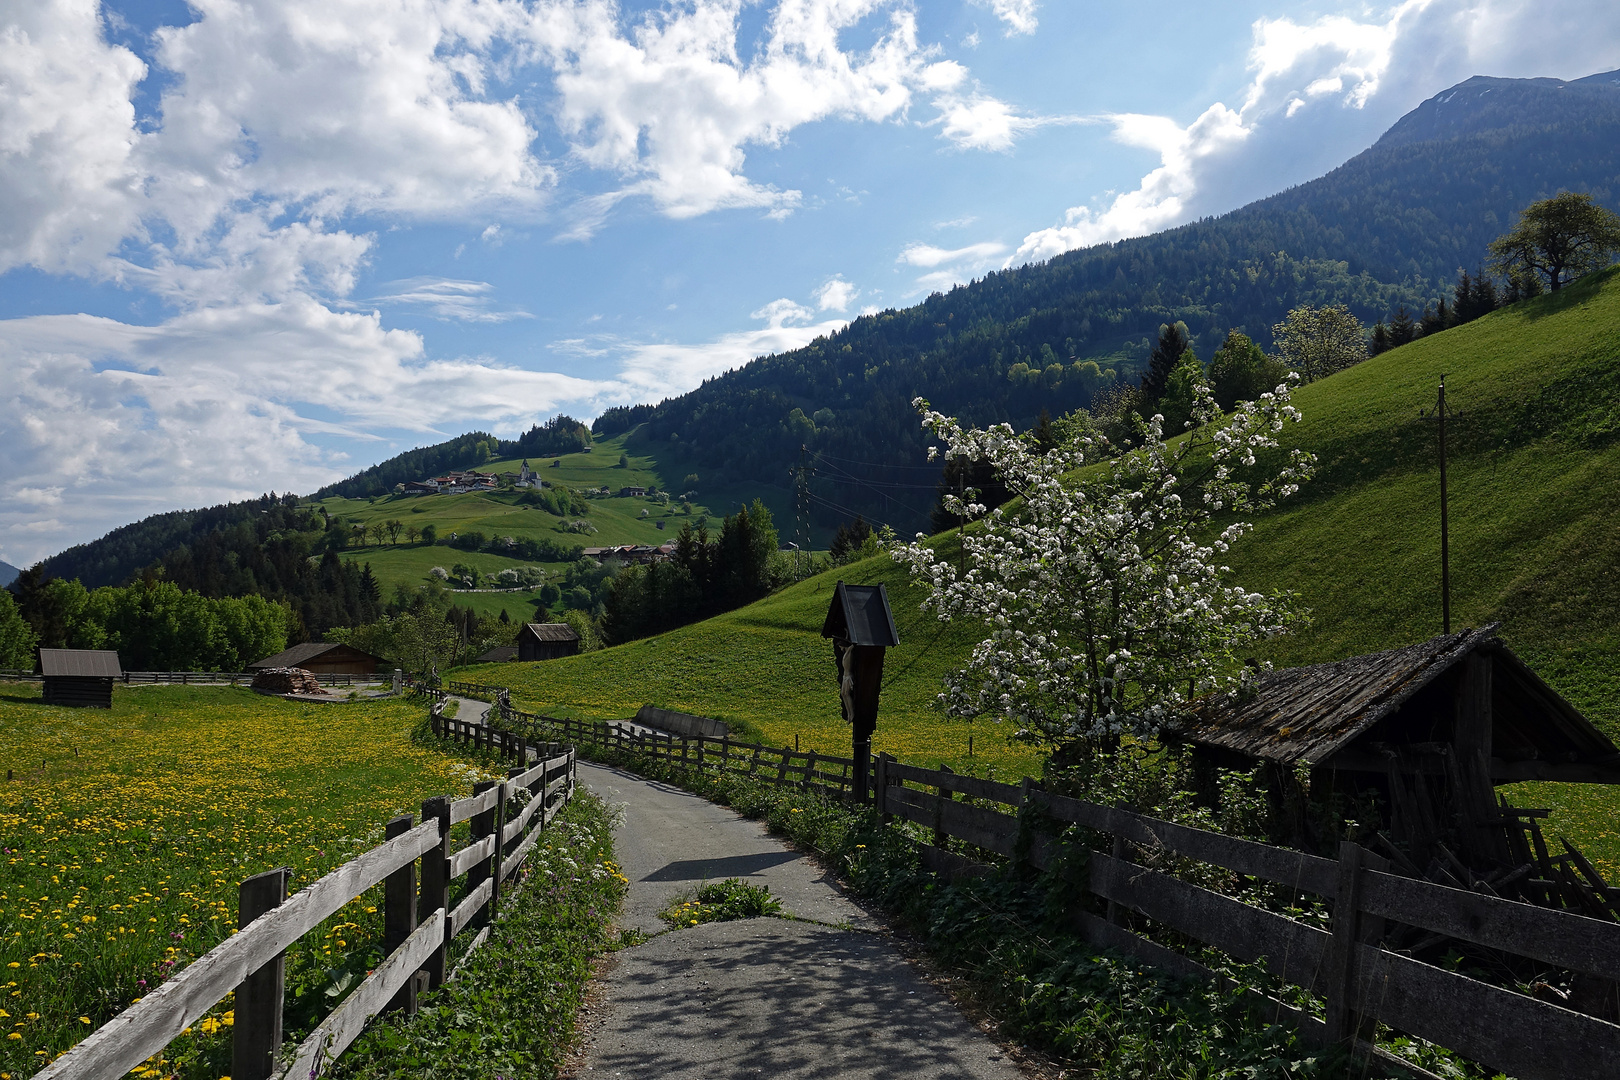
<point>1307,714</point>
<point>299,655</point>
<point>80,663</point>
<point>552,631</point>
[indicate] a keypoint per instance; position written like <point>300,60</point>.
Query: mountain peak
<point>1484,103</point>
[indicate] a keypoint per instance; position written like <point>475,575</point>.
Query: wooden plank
<point>1561,938</point>
<point>512,862</point>
<point>470,906</point>
<point>993,790</point>
<point>1296,869</point>
<point>1504,1030</point>
<point>435,895</point>
<point>462,809</point>
<point>1289,949</point>
<point>148,1025</point>
<point>399,913</point>
<point>978,826</point>
<point>520,821</point>
<point>258,999</point>
<point>339,1030</point>
<point>467,857</point>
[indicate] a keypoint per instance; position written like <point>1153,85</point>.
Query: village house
<point>546,641</point>
<point>631,492</point>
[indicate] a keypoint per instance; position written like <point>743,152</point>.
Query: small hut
<point>497,654</point>
<point>323,658</point>
<point>546,641</point>
<point>1425,733</point>
<point>79,677</point>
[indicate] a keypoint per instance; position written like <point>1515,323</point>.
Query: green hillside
<point>617,520</point>
<point>1535,478</point>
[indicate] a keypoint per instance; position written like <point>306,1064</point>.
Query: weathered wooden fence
<point>419,926</point>
<point>1128,899</point>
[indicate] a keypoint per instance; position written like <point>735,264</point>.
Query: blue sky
<point>260,244</point>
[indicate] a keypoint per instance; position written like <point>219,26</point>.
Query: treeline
<point>561,434</point>
<point>153,624</point>
<point>704,577</point>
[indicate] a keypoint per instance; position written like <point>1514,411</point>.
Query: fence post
<point>256,1033</point>
<point>399,913</point>
<point>1350,930</point>
<point>882,797</point>
<point>483,825</point>
<point>436,882</point>
<point>781,770</point>
<point>939,813</point>
<point>809,771</point>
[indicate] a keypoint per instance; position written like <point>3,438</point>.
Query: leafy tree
<point>17,638</point>
<point>430,534</point>
<point>1166,355</point>
<point>848,540</point>
<point>1102,593</point>
<point>974,481</point>
<point>1241,371</point>
<point>393,525</point>
<point>1558,240</point>
<point>1181,392</point>
<point>1317,341</point>
<point>411,533</point>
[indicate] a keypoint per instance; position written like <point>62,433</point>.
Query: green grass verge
<point>510,1011</point>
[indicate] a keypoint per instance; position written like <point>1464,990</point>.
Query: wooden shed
<point>546,641</point>
<point>323,658</point>
<point>1426,731</point>
<point>80,677</point>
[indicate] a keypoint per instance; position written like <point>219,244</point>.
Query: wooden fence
<point>205,678</point>
<point>1129,900</point>
<point>419,925</point>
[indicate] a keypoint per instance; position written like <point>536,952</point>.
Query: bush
<point>721,901</point>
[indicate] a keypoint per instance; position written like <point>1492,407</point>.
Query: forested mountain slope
<point>1392,226</point>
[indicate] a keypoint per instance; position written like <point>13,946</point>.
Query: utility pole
<point>1445,532</point>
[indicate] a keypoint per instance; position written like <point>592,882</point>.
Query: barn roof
<point>1306,714</point>
<point>551,631</point>
<point>80,663</point>
<point>309,650</point>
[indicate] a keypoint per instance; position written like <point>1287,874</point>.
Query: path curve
<point>825,997</point>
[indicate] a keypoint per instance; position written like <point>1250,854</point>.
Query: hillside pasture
<point>126,833</point>
<point>1534,479</point>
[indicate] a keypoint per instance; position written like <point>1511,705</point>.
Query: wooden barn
<point>497,654</point>
<point>80,677</point>
<point>324,658</point>
<point>546,641</point>
<point>1422,736</point>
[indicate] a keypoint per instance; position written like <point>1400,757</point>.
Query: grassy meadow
<point>1534,475</point>
<point>126,833</point>
<point>618,520</point>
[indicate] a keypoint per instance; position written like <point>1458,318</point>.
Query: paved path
<point>473,712</point>
<point>760,997</point>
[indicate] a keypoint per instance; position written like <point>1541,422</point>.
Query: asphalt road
<point>827,996</point>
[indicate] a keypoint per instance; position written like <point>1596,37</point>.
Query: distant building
<point>79,677</point>
<point>546,641</point>
<point>631,492</point>
<point>527,477</point>
<point>421,487</point>
<point>323,658</point>
<point>497,655</point>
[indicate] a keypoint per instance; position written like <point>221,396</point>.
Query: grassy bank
<point>126,833</point>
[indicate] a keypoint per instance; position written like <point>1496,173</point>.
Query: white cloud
<point>447,298</point>
<point>835,294</point>
<point>779,313</point>
<point>67,137</point>
<point>950,266</point>
<point>928,256</point>
<point>1321,91</point>
<point>1018,15</point>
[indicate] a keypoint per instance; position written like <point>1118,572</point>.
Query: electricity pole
<point>1445,532</point>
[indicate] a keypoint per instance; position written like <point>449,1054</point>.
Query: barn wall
<point>78,691</point>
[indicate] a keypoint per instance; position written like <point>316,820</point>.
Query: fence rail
<point>1127,897</point>
<point>507,818</point>
<point>205,678</point>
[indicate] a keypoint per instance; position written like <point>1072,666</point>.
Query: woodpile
<point>287,680</point>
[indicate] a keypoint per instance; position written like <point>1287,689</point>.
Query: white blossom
<point>1104,606</point>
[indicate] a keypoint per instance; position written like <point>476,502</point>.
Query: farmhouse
<point>546,641</point>
<point>631,492</point>
<point>323,658</point>
<point>1428,731</point>
<point>79,677</point>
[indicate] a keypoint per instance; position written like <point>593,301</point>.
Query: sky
<point>256,245</point>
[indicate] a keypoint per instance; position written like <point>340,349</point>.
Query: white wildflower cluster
<point>1101,584</point>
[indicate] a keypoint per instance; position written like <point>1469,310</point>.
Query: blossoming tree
<point>1101,584</point>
